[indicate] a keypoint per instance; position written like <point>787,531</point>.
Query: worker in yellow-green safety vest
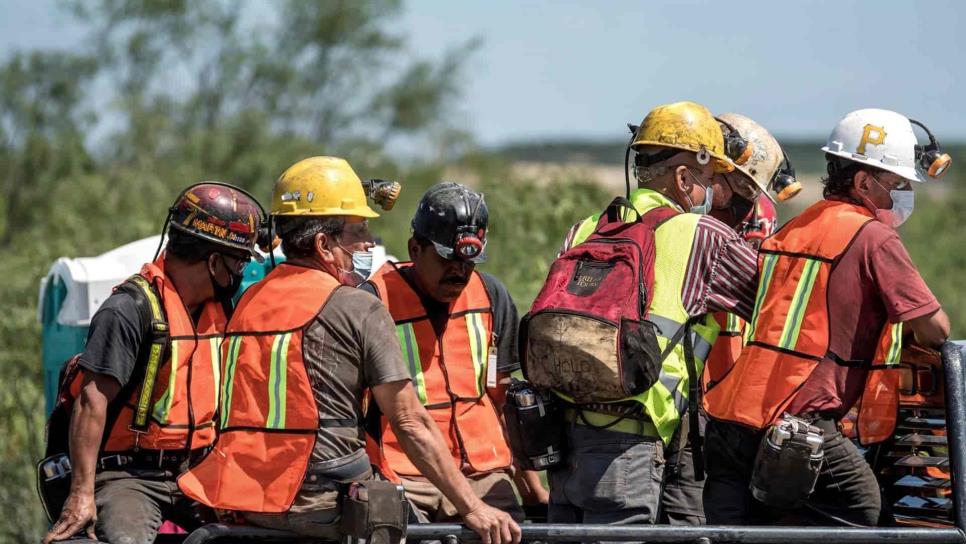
<point>615,451</point>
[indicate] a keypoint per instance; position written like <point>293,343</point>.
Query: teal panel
<point>60,342</point>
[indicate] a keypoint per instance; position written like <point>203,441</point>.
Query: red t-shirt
<point>874,282</point>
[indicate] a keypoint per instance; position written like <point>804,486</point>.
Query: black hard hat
<point>219,213</point>
<point>454,218</point>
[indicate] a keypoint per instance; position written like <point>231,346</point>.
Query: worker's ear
<point>682,180</point>
<point>414,248</point>
<point>322,251</point>
<point>862,182</point>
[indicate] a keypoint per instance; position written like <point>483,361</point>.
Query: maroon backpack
<point>587,333</point>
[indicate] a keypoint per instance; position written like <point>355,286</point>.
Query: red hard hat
<point>761,221</point>
<point>219,213</point>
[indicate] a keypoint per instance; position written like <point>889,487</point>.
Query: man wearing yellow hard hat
<point>615,462</point>
<point>301,351</point>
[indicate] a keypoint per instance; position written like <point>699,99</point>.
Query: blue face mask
<point>705,207</point>
<point>361,268</point>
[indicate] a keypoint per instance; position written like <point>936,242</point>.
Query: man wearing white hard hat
<point>836,289</point>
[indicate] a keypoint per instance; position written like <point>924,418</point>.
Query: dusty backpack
<point>587,334</point>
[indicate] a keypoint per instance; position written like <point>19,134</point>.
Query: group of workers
<point>327,373</point>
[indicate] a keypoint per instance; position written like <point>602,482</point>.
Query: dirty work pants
<point>846,488</point>
<point>607,477</point>
<point>132,503</point>
<point>681,500</point>
<point>494,488</point>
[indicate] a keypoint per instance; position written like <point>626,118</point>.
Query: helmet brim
<point>905,172</point>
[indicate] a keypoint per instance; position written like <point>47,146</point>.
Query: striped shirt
<point>722,273</point>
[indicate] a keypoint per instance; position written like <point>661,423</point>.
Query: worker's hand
<point>79,514</point>
<point>494,526</point>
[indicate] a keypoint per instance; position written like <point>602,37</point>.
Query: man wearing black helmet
<point>457,330</point>
<point>145,394</point>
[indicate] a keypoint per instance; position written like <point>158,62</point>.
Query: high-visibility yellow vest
<point>667,400</point>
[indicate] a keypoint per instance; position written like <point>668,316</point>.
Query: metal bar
<point>712,534</point>
<point>622,533</point>
<point>233,533</point>
<point>955,383</point>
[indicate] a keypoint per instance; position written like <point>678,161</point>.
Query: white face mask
<point>903,203</point>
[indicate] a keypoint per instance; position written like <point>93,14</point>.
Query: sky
<point>584,69</point>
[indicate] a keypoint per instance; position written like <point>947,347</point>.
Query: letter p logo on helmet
<point>871,135</point>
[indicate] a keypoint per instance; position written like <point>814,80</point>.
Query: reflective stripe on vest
<point>790,328</point>
<point>278,368</point>
<point>479,344</point>
<point>448,374</point>
<point>667,400</point>
<point>175,413</point>
<point>410,352</point>
<point>269,414</point>
<point>879,405</point>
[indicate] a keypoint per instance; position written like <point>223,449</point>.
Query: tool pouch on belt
<point>376,512</point>
<point>789,458</point>
<point>53,484</point>
<point>534,426</point>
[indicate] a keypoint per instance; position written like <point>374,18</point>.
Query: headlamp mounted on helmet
<point>738,148</point>
<point>930,156</point>
<point>784,183</point>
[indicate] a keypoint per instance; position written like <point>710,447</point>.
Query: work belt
<point>829,426</point>
<point>637,424</point>
<point>157,459</point>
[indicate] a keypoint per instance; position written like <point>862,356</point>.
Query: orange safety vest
<point>268,417</point>
<point>185,391</point>
<point>449,375</point>
<point>789,334</point>
<point>725,350</point>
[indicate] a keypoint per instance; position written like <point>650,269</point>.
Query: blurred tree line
<point>95,143</point>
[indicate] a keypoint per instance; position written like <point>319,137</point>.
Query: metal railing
<point>955,383</point>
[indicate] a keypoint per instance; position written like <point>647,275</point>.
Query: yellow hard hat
<point>320,186</point>
<point>686,126</point>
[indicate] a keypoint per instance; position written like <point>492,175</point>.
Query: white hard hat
<point>879,138</point>
<point>766,156</point>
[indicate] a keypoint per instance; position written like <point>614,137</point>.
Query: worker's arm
<point>931,330</point>
<point>87,423</point>
<point>420,438</point>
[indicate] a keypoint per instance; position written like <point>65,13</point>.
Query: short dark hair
<point>298,233</point>
<point>838,182</point>
<point>190,249</point>
<point>421,240</point>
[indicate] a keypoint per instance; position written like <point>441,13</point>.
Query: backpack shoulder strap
<point>154,329</point>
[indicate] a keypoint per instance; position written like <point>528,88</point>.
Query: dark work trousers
<point>132,503</point>
<point>846,488</point>
<point>607,477</point>
<point>681,500</point>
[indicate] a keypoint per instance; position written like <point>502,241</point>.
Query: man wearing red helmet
<point>142,395</point>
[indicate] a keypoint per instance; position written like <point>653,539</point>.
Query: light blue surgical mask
<point>705,207</point>
<point>361,268</point>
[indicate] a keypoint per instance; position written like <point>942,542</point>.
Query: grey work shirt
<point>350,347</point>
